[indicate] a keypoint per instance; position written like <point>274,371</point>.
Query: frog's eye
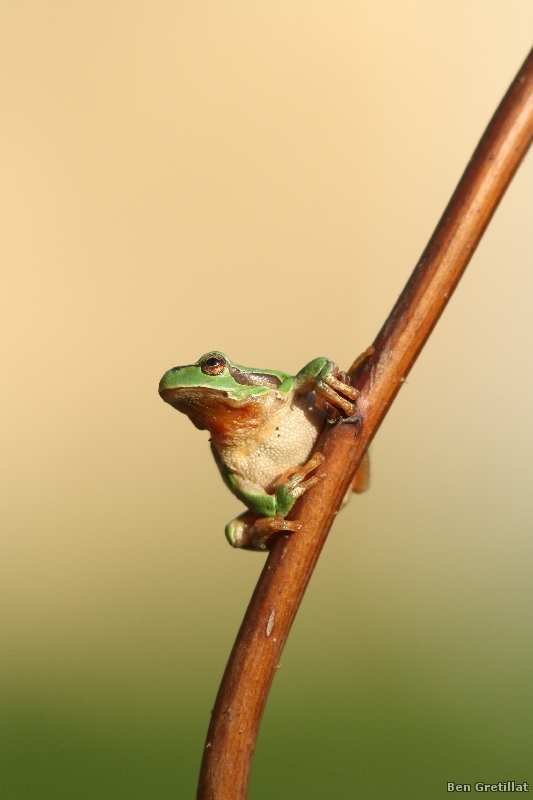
<point>213,364</point>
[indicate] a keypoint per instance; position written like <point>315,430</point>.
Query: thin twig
<point>244,689</point>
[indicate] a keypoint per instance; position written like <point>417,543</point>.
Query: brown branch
<point>244,689</point>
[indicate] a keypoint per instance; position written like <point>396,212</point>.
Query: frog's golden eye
<point>213,364</point>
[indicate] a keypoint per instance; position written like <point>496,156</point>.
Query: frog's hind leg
<point>361,479</point>
<point>359,360</point>
<point>250,531</point>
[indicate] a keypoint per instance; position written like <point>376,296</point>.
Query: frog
<point>264,426</point>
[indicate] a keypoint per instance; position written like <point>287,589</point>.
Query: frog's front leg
<point>252,529</point>
<point>331,386</point>
<point>330,389</point>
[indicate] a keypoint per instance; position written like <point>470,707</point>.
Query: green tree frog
<point>264,425</point>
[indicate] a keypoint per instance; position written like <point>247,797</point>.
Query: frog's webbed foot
<point>359,360</point>
<point>335,393</point>
<point>252,532</point>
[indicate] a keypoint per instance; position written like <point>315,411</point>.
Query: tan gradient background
<point>258,178</point>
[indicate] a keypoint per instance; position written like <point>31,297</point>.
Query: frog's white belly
<point>290,445</point>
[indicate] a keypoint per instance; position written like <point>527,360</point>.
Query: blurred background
<point>258,178</point>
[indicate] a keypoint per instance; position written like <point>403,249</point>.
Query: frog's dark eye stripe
<point>254,378</point>
<point>213,364</point>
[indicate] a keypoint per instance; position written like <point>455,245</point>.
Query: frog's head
<point>223,397</point>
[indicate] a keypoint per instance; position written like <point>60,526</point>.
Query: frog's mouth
<point>214,410</point>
